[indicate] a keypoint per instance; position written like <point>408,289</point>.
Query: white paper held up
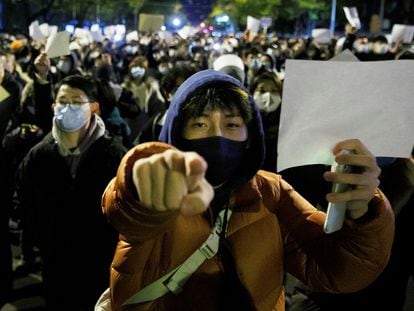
<point>58,44</point>
<point>326,102</point>
<point>3,93</point>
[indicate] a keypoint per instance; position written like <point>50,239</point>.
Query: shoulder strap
<point>175,279</point>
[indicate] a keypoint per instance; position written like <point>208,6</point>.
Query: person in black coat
<point>59,186</point>
<point>9,103</point>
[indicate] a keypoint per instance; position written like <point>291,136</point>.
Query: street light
<point>176,22</point>
<point>333,16</point>
<point>381,15</point>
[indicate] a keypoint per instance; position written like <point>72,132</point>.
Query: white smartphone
<point>335,214</point>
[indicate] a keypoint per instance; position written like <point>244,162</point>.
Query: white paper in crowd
<point>351,14</point>
<point>402,33</point>
<point>44,28</point>
<point>253,24</point>
<point>3,93</point>
<point>53,29</point>
<point>388,37</point>
<point>97,36</point>
<point>58,44</point>
<point>131,36</point>
<point>326,102</point>
<point>265,22</point>
<point>186,32</point>
<point>150,22</point>
<point>109,31</point>
<point>166,35</point>
<point>83,35</point>
<point>34,31</point>
<point>120,29</point>
<point>322,35</point>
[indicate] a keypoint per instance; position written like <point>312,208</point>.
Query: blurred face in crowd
<point>164,67</point>
<point>361,45</point>
<point>10,62</point>
<point>267,95</point>
<point>64,64</point>
<point>138,68</point>
<point>106,58</point>
<point>266,62</point>
<point>253,61</point>
<point>3,62</point>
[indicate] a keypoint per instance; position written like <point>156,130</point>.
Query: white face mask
<point>172,52</point>
<point>63,66</point>
<point>267,102</point>
<point>70,117</point>
<point>380,48</point>
<point>361,48</point>
<point>164,70</point>
<point>137,72</point>
<point>255,64</point>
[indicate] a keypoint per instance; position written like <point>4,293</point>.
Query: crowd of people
<point>100,175</point>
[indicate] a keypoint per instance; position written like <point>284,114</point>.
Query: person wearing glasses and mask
<point>203,228</point>
<point>59,186</point>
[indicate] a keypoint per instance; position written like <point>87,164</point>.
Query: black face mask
<point>223,156</point>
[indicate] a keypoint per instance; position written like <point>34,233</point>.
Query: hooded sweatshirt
<point>272,230</point>
<point>170,132</point>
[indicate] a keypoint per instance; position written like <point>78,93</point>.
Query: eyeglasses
<point>73,106</point>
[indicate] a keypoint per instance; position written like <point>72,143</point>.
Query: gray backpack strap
<point>175,279</point>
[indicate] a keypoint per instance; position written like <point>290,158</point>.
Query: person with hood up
<point>203,228</point>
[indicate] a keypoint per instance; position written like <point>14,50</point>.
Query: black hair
<point>234,71</point>
<point>106,98</point>
<point>270,57</point>
<point>105,72</point>
<point>222,95</point>
<point>252,50</point>
<point>266,76</point>
<point>169,83</point>
<point>85,84</point>
<point>380,39</point>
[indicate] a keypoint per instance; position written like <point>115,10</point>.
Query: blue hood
<point>170,132</point>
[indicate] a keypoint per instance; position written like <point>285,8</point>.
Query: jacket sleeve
<point>120,202</point>
<point>341,262</point>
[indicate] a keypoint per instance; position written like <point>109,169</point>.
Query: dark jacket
<point>10,105</point>
<point>63,216</point>
<point>8,111</point>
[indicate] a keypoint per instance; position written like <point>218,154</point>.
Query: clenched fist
<point>173,180</point>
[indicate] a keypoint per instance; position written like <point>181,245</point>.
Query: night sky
<point>196,10</point>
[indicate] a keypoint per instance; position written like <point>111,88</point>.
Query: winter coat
<point>272,230</point>
<point>10,104</point>
<point>62,216</point>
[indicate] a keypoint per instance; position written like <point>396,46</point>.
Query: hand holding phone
<point>335,214</point>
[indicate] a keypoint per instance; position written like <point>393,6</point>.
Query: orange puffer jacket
<point>272,230</point>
